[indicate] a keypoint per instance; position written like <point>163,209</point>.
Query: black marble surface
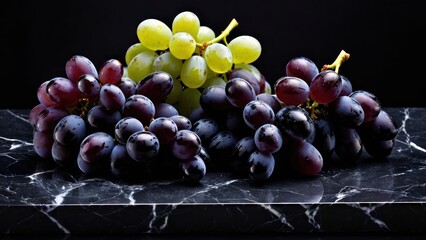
<point>372,197</point>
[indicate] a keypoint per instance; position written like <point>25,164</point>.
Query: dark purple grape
<point>379,149</point>
<point>249,77</point>
<point>295,122</point>
<point>48,118</point>
<point>127,86</point>
<point>111,97</point>
<point>346,111</point>
<point>220,149</point>
<point>164,128</point>
<point>126,127</point>
<point>301,67</point>
<point>383,127</point>
<point>186,145</point>
<point>124,167</point>
<point>70,130</point>
<point>197,114</point>
<point>205,156</point>
<point>369,103</point>
<point>268,138</point>
<point>182,122</point>
<point>111,72</point>
<point>239,92</point>
<point>291,90</point>
<point>78,65</point>
<point>96,168</point>
<point>194,170</point>
<point>65,156</point>
<point>348,145</point>
<point>63,92</point>
<point>214,102</point>
<point>143,146</point>
<point>43,97</point>
<point>165,110</point>
<point>34,112</point>
<point>89,87</point>
<point>346,86</point>
<point>235,123</point>
<point>97,147</point>
<point>156,86</point>
<point>325,139</point>
<point>305,158</point>
<point>139,107</point>
<point>42,143</point>
<point>256,113</point>
<point>206,128</point>
<point>271,99</point>
<point>261,166</point>
<point>325,87</point>
<point>102,119</point>
<point>240,155</point>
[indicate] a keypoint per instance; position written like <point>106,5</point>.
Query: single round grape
<point>206,128</point>
<point>43,97</point>
<point>89,86</point>
<point>218,57</point>
<point>96,147</point>
<point>239,92</point>
<point>186,145</point>
<point>111,71</point>
<point>325,139</point>
<point>194,170</point>
<point>348,144</point>
<point>189,100</point>
<point>139,107</point>
<point>164,128</point>
<point>369,103</point>
<point>102,119</point>
<point>182,122</point>
<point>205,34</point>
<point>42,143</point>
<point>143,146</point>
<point>134,50</point>
<point>141,65</point>
<point>305,158</point>
<point>186,21</point>
<point>268,138</point>
<point>194,72</point>
<point>346,86</point>
<point>48,118</point>
<point>255,71</point>
<point>166,62</point>
<point>234,122</point>
<point>65,156</point>
<point>175,93</point>
<point>256,113</point>
<point>214,81</point>
<point>291,90</point>
<point>111,97</point>
<point>246,75</point>
<point>245,49</point>
<point>70,130</point>
<point>182,45</point>
<point>63,92</point>
<point>382,127</point>
<point>295,122</point>
<point>301,67</point>
<point>154,34</point>
<point>213,100</point>
<point>126,127</point>
<point>165,110</point>
<point>33,115</point>
<point>240,155</point>
<point>325,87</point>
<point>127,86</point>
<point>123,166</point>
<point>156,86</point>
<point>346,111</point>
<point>271,99</point>
<point>379,149</point>
<point>261,166</point>
<point>78,65</point>
<point>220,149</point>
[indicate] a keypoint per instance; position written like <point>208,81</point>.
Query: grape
<point>142,146</point>
<point>248,76</point>
<point>182,122</point>
<point>220,149</point>
<point>176,92</point>
<point>111,97</point>
<point>141,65</point>
<point>239,92</point>
<point>164,128</point>
<point>261,166</point>
<point>96,147</point>
<point>369,103</point>
<point>346,111</point>
<point>102,119</point>
<point>325,87</point>
<point>379,149</point>
<point>189,100</point>
<point>134,50</point>
<point>186,22</point>
<point>256,113</point>
<point>234,122</point>
<point>123,166</point>
<point>383,127</point>
<point>63,92</point>
<point>268,138</point>
<point>166,62</point>
<point>89,87</point>
<point>205,34</point>
<point>218,57</point>
<point>139,107</point>
<point>154,34</point>
<point>127,86</point>
<point>245,49</point>
<point>303,68</point>
<point>291,90</point>
<point>186,145</point>
<point>194,72</point>
<point>126,127</point>
<point>78,65</point>
<point>270,99</point>
<point>346,86</point>
<point>325,139</point>
<point>42,143</point>
<point>305,158</point>
<point>65,156</point>
<point>43,97</point>
<point>70,130</point>
<point>111,72</point>
<point>197,114</point>
<point>182,45</point>
<point>33,115</point>
<point>165,110</point>
<point>213,81</point>
<point>295,122</point>
<point>48,118</point>
<point>194,170</point>
<point>156,86</point>
<point>206,128</point>
<point>213,100</point>
<point>348,144</point>
<point>96,168</point>
<point>240,155</point>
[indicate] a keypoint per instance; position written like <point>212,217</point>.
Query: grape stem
<point>342,57</point>
<point>221,37</point>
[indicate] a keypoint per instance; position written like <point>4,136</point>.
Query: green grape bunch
<point>192,54</point>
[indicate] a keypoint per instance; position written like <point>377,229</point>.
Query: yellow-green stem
<point>343,56</point>
<point>223,35</point>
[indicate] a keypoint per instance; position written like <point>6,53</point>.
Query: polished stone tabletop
<point>374,196</point>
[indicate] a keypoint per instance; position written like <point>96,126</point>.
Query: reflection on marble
<point>374,196</point>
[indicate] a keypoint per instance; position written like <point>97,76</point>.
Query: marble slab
<point>388,196</point>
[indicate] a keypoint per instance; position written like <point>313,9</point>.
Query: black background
<point>385,39</point>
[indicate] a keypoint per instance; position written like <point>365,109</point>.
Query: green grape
<point>205,34</point>
<point>125,72</point>
<point>168,63</point>
<point>141,65</point>
<point>268,88</point>
<point>186,22</point>
<point>218,58</point>
<point>194,72</point>
<point>182,45</point>
<point>134,50</point>
<point>189,101</point>
<point>154,34</point>
<point>211,74</point>
<point>245,49</point>
<point>213,81</point>
<point>176,92</point>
